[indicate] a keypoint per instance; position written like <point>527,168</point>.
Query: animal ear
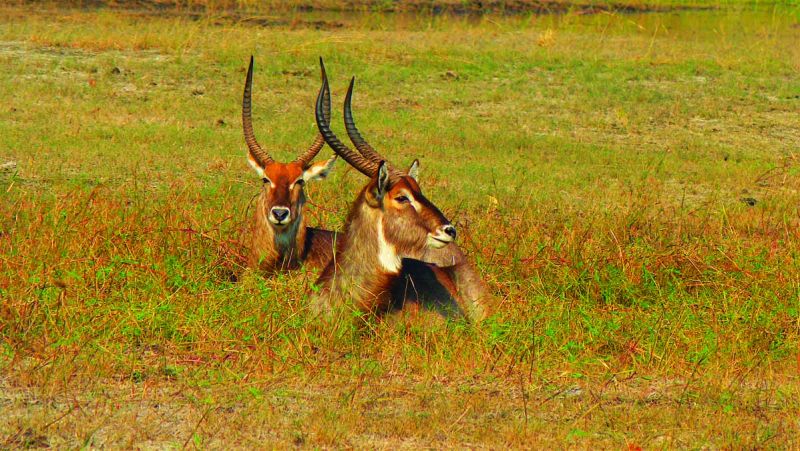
<point>254,164</point>
<point>413,170</point>
<point>383,180</point>
<point>374,195</point>
<point>319,170</point>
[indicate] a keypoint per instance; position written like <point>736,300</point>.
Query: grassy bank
<point>627,185</point>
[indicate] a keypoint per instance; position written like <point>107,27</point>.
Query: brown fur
<point>468,282</point>
<point>355,273</point>
<point>407,229</point>
<point>358,274</point>
<point>285,247</point>
<point>278,237</point>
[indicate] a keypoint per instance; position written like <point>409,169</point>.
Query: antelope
<point>279,238</point>
<point>392,229</point>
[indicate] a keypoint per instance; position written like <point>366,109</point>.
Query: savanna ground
<point>627,184</point>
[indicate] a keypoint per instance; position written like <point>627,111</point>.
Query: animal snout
<point>279,214</point>
<point>444,235</point>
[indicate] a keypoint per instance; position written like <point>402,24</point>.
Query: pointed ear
<point>383,181</point>
<point>319,170</point>
<point>413,170</point>
<point>254,164</point>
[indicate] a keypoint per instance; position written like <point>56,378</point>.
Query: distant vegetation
<point>428,6</point>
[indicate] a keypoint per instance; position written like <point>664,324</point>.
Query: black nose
<point>450,230</point>
<point>280,213</point>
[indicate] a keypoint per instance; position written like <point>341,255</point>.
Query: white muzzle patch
<point>439,239</point>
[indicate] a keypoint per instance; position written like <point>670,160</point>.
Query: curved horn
<point>319,142</point>
<point>365,166</point>
<point>350,124</point>
<point>355,136</point>
<point>258,154</point>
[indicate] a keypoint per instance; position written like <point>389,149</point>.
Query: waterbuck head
<point>407,222</point>
<point>283,197</point>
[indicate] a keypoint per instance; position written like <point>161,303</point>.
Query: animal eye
<point>402,200</point>
<point>300,182</point>
<point>265,180</point>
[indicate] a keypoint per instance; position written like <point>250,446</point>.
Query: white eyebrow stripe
<point>411,199</point>
<point>291,186</point>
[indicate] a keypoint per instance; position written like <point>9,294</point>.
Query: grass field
<point>627,185</point>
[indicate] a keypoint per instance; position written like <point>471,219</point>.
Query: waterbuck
<point>278,236</point>
<point>390,231</point>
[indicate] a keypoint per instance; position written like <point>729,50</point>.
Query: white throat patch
<point>387,255</point>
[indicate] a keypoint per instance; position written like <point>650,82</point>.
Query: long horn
<point>319,142</point>
<point>365,166</point>
<point>355,136</point>
<point>350,124</point>
<point>259,155</point>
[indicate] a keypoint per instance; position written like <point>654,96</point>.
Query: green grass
<point>595,165</point>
